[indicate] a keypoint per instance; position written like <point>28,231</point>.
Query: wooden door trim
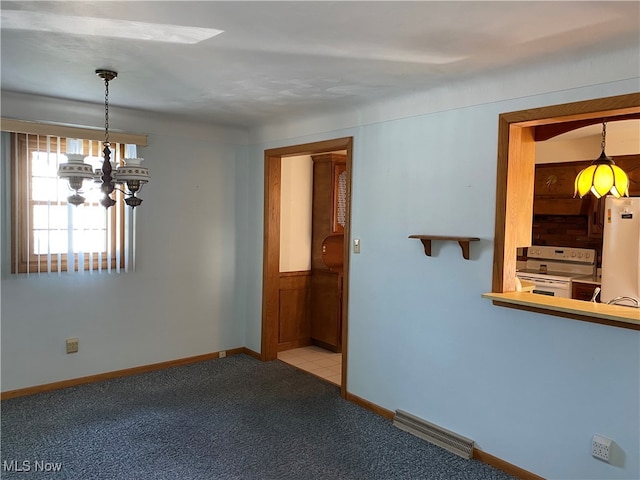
<point>271,243</point>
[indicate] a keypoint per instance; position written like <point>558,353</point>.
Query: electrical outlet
<point>72,345</point>
<point>601,447</point>
<point>222,354</point>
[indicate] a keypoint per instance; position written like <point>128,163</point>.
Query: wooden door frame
<point>271,243</point>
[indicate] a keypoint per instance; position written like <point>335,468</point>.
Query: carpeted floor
<point>232,418</point>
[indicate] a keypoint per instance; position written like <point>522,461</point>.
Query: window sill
<point>614,315</point>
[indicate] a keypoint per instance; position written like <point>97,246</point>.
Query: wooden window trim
<point>514,205</point>
<point>23,259</point>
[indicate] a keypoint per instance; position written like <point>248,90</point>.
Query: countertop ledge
<point>614,315</point>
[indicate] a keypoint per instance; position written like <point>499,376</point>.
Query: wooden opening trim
<point>514,196</point>
<point>516,131</point>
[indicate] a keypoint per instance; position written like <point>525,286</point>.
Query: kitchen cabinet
<point>327,239</point>
<point>329,196</point>
<point>554,190</point>
<point>326,309</point>
<point>554,187</point>
<point>631,165</point>
<point>582,290</point>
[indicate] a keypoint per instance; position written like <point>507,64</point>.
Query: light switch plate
<point>356,245</point>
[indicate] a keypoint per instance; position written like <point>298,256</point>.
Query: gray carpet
<point>232,418</point>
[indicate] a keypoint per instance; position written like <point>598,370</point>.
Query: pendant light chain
<point>603,176</point>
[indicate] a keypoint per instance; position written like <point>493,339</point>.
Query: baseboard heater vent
<point>435,434</point>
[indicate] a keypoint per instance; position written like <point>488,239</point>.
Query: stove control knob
<point>580,255</point>
<point>573,254</point>
<point>587,255</point>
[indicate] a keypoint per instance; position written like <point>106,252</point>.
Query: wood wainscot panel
<point>294,325</point>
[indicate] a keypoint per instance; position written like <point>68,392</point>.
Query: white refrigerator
<point>621,250</point>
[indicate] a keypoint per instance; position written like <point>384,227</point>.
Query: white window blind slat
<point>51,235</point>
<point>26,207</point>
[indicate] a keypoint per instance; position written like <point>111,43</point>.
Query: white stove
<point>552,269</point>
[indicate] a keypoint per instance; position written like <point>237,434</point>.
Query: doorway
<point>271,245</point>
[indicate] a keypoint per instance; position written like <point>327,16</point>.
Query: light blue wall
<point>179,303</point>
<point>531,389</point>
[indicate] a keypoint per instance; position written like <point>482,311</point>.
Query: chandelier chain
<point>604,135</point>
<point>106,112</point>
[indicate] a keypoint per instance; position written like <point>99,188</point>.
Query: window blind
<point>49,234</point>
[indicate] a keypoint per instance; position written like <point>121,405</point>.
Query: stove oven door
<point>547,286</point>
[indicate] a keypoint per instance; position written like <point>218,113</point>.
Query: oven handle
<point>544,281</point>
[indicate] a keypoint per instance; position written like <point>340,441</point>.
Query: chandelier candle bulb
<point>74,146</point>
<point>130,151</point>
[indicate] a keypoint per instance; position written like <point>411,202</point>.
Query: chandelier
<point>603,176</point>
<point>127,178</point>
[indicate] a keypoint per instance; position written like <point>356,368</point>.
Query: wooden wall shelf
<point>462,241</point>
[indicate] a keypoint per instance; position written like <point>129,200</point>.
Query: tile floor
<point>318,361</point>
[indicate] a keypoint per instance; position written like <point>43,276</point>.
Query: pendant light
<point>132,174</point>
<point>603,176</point>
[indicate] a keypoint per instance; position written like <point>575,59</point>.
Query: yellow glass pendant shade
<point>621,182</point>
<point>602,180</point>
<point>584,181</point>
<point>602,177</point>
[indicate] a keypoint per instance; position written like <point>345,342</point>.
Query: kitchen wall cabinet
<point>327,228</point>
<point>554,195</point>
<point>631,165</point>
<point>554,188</point>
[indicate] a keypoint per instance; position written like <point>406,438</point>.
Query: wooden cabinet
<point>294,324</point>
<point>554,187</point>
<point>554,190</point>
<point>582,291</point>
<point>327,227</point>
<point>329,197</point>
<point>326,309</point>
<point>631,165</point>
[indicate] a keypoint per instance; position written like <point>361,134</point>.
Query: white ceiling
<point>275,59</point>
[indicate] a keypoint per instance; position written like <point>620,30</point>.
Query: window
<point>50,235</point>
